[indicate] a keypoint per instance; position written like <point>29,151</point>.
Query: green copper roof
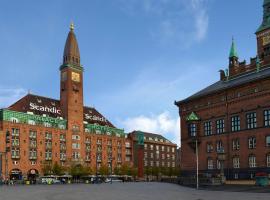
<point>266,17</point>
<point>233,52</point>
<point>266,2</point>
<point>193,117</point>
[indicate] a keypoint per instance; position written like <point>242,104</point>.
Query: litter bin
<point>27,182</point>
<point>262,180</point>
<point>87,181</point>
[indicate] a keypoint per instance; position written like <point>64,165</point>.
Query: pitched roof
<point>223,85</point>
<point>39,105</point>
<point>151,135</point>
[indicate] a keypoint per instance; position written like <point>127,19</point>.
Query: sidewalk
<point>238,186</point>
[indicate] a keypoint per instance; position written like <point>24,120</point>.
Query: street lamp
<point>194,144</point>
<point>222,158</point>
<point>111,162</point>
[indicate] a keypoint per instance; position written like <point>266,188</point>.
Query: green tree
<point>104,170</point>
<point>57,169</point>
<point>134,172</point>
<point>47,168</point>
<point>116,171</point>
<point>124,169</point>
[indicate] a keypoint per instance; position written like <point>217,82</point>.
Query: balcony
<point>63,158</point>
<point>15,156</point>
<point>48,158</point>
<point>63,148</point>
<point>32,157</point>
<point>48,146</point>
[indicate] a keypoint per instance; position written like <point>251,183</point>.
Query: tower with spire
<point>233,60</point>
<point>71,90</point>
<point>263,35</point>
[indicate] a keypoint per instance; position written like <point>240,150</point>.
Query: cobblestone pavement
<point>120,191</point>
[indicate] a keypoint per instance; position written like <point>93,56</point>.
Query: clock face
<point>266,40</point>
<point>75,77</point>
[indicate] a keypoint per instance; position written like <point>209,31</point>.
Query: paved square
<point>120,191</point>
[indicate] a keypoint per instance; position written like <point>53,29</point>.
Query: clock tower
<point>263,35</point>
<point>71,94</point>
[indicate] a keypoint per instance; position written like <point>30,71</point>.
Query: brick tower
<point>71,95</point>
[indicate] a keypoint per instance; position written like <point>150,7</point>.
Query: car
<point>109,180</point>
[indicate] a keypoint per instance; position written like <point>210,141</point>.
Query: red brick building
<point>40,129</point>
<point>231,116</point>
<point>157,151</point>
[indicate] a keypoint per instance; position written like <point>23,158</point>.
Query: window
<point>162,148</point>
<point>218,164</point>
<point>15,132</point>
<point>48,136</point>
<point>151,147</point>
<point>208,128</point>
<point>75,146</point>
<point>157,147</point>
<point>32,134</point>
<point>48,155</point>
<point>252,161</point>
<point>210,163</point>
<point>62,137</point>
<point>236,144</point>
<point>76,155</point>
<point>192,130</point>
<point>235,123</point>
<point>267,141</point>
<point>251,120</point>
<point>236,162</point>
<point>252,143</point>
<point>266,117</point>
<point>145,146</point>
<point>268,160</point>
<point>220,126</point>
<point>76,137</point>
<point>220,146</point>
<point>209,148</point>
<point>145,154</point>
<point>152,155</point>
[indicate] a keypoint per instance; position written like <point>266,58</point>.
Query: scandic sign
<point>55,110</point>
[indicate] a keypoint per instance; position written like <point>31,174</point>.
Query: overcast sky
<point>139,56</point>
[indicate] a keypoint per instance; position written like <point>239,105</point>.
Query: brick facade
<point>242,94</point>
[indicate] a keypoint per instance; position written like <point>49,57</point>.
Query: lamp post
<point>194,144</point>
<point>197,165</point>
<point>111,162</point>
<point>222,158</point>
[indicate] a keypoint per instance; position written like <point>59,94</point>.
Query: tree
<point>155,171</point>
<point>116,171</point>
<point>47,168</point>
<point>104,170</point>
<point>124,169</point>
<point>134,172</point>
<point>57,169</point>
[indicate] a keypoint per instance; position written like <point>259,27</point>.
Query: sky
<point>139,56</point>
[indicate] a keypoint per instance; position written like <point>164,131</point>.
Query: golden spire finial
<point>71,26</point>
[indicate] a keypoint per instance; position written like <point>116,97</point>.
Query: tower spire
<point>266,16</point>
<point>71,51</point>
<point>233,52</point>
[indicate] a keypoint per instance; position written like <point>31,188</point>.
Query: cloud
<point>10,95</point>
<point>174,21</point>
<point>163,124</point>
